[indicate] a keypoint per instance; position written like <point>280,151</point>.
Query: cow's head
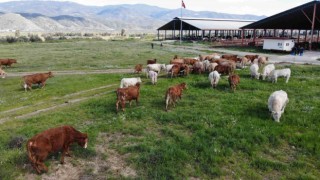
<point>83,140</point>
<point>276,116</point>
<point>50,74</point>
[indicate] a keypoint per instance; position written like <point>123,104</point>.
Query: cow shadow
<point>260,111</point>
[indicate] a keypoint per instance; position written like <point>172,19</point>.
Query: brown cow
<point>127,94</point>
<point>230,57</point>
<point>177,61</point>
<point>234,80</point>
<point>138,68</point>
<point>173,93</point>
<point>251,57</point>
<point>190,61</point>
<point>151,61</point>
<point>224,69</point>
<point>39,78</point>
<point>53,140</point>
<point>7,62</point>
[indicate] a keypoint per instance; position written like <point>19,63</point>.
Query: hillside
<point>69,16</point>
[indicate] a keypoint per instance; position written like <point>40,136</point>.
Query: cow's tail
<point>167,99</point>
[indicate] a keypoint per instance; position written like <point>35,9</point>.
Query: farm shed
<point>200,28</point>
<point>301,23</point>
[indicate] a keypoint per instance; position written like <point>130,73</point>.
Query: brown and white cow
<point>127,94</point>
<point>39,78</point>
<point>53,140</point>
<point>2,72</point>
<point>173,93</point>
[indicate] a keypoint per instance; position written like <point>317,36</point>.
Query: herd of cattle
<point>214,64</point>
<point>57,139</point>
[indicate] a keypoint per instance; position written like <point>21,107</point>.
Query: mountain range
<point>54,16</point>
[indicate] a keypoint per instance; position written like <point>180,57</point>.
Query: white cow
<point>254,68</point>
<point>267,70</point>
<point>280,73</point>
<point>168,68</point>
<point>277,103</point>
<point>126,82</point>
<point>153,76</point>
<point>214,78</point>
<point>155,67</point>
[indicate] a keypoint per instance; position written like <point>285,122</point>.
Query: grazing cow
<point>262,60</point>
<point>7,62</point>
<point>214,78</point>
<point>153,76</point>
<point>229,57</point>
<point>2,73</point>
<point>173,93</point>
<point>155,67</point>
<point>175,70</point>
<point>244,61</point>
<point>280,73</point>
<point>277,103</point>
<point>127,94</point>
<point>53,140</point>
<point>151,61</point>
<point>224,69</point>
<point>234,80</point>
<point>138,68</point>
<point>267,70</point>
<point>126,82</point>
<point>254,68</point>
<point>177,61</point>
<point>39,78</point>
<point>190,61</point>
<point>251,57</point>
<point>168,69</point>
<point>212,66</point>
<point>179,69</point>
<point>198,67</point>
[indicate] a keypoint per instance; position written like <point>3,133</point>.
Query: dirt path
<point>66,103</point>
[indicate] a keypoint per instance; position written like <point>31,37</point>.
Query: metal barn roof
<point>205,24</point>
<point>299,17</point>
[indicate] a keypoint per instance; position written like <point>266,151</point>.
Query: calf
<point>7,62</point>
<point>234,80</point>
<point>277,103</point>
<point>251,57</point>
<point>53,140</point>
<point>267,70</point>
<point>173,93</point>
<point>39,78</point>
<point>2,73</point>
<point>127,94</point>
<point>153,76</point>
<point>280,73</point>
<point>138,68</point>
<point>152,61</point>
<point>126,82</point>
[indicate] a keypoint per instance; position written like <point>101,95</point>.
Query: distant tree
<point>122,32</point>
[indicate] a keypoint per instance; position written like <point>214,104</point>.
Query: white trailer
<point>278,44</point>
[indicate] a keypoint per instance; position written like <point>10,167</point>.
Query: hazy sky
<point>256,7</point>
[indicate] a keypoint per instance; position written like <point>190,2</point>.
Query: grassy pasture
<point>211,133</point>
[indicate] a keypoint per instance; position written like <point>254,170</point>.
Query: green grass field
<point>210,134</point>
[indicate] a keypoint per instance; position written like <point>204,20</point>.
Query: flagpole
<point>180,23</point>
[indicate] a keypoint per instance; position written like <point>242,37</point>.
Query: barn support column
<point>165,34</point>
<point>242,35</point>
<point>312,26</point>
<point>291,33</point>
<point>254,37</point>
<point>305,37</point>
<point>299,36</point>
<point>202,36</point>
<point>174,30</point>
<point>158,36</point>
